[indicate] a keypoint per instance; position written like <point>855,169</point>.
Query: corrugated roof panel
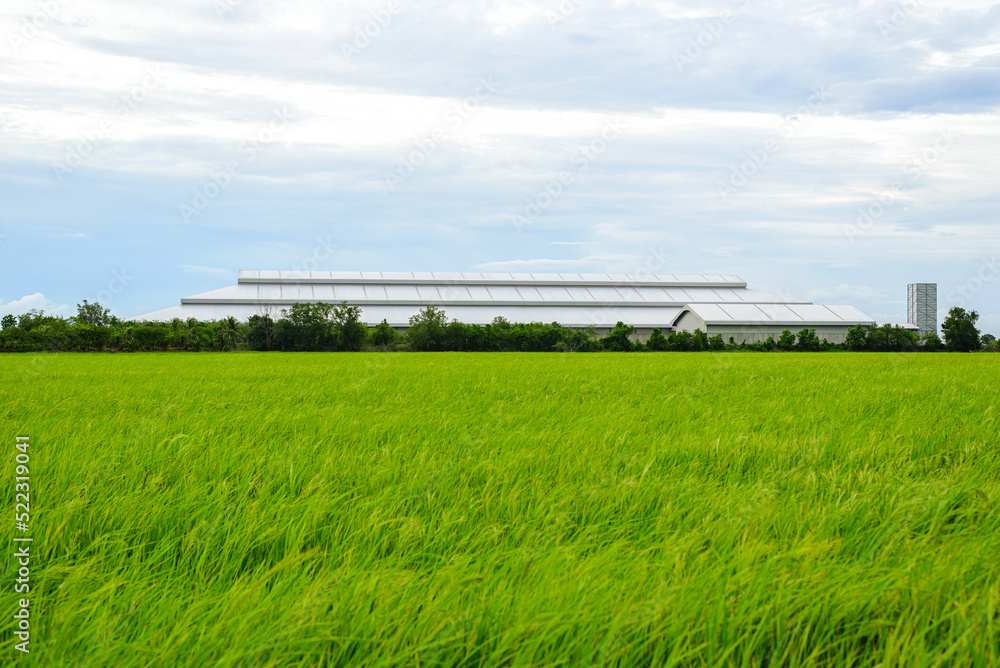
<point>814,313</point>
<point>764,297</point>
<point>653,294</point>
<point>744,313</point>
<point>552,293</point>
<point>296,291</point>
<point>268,291</point>
<point>711,313</point>
<point>428,292</point>
<point>375,292</point>
<point>726,296</point>
<point>479,293</point>
<point>701,295</point>
<point>348,293</point>
<point>454,293</point>
<point>605,294</point>
<point>504,293</point>
<point>579,294</point>
<point>779,313</point>
<point>325,292</point>
<point>401,292</point>
<point>529,294</point>
<point>677,295</point>
<point>850,314</point>
<point>629,294</point>
<point>729,294</point>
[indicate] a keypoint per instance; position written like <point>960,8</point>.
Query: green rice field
<point>506,509</point>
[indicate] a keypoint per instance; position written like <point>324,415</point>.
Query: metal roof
<point>477,298</point>
<point>516,294</point>
<point>777,314</point>
<point>451,278</point>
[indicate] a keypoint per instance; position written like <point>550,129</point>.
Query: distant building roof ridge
<point>486,278</point>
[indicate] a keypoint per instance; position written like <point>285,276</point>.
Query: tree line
<point>328,327</point>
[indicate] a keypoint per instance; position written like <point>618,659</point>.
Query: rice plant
<point>508,509</point>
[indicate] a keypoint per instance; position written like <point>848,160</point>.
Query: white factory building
<point>713,303</point>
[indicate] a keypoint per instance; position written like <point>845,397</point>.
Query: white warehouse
<point>713,303</point>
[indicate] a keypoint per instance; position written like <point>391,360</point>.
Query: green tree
<point>348,330</point>
<point>656,341</point>
<point>807,340</point>
<point>699,340</point>
<point>786,341</point>
<point>427,329</point>
<point>857,338</point>
<point>384,334</point>
<point>931,342</point>
<point>618,339</point>
<point>309,326</point>
<point>581,340</point>
<point>228,331</point>
<point>8,321</point>
<point>680,341</point>
<point>717,343</point>
<point>260,332</point>
<point>32,319</point>
<point>960,333</point>
<point>93,314</point>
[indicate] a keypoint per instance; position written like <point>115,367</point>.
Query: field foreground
<point>505,509</point>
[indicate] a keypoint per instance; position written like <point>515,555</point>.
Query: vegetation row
<point>328,327</point>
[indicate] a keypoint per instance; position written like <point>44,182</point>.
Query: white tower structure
<point>921,306</point>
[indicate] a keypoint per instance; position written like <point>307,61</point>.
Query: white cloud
<point>655,189</point>
<point>36,301</point>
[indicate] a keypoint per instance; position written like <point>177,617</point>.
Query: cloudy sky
<point>832,151</point>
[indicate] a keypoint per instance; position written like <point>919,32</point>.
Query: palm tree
<point>229,332</point>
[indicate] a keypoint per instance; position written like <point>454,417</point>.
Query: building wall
<point>742,333</point>
<point>921,306</point>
